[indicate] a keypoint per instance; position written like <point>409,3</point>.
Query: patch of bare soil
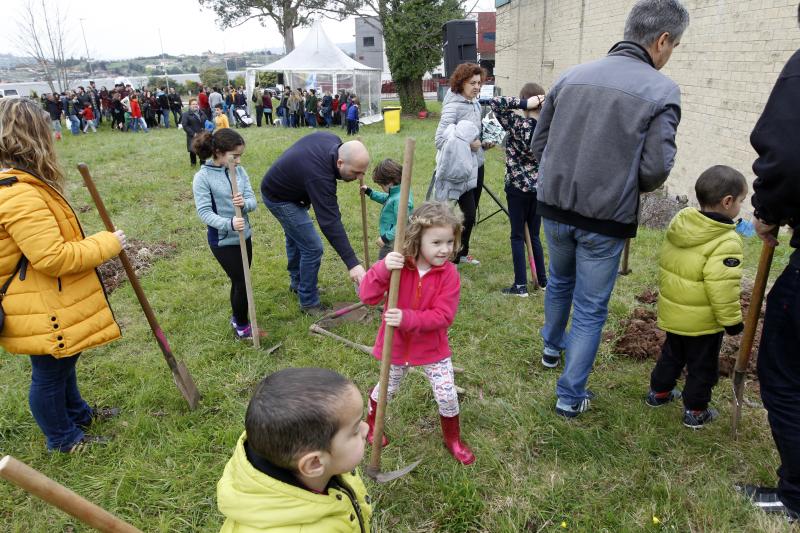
<point>142,255</point>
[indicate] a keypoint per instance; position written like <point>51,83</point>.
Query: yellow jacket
<point>221,121</point>
<point>254,502</point>
<point>60,307</point>
<point>700,273</point>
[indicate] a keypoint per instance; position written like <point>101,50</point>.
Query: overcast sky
<point>120,30</point>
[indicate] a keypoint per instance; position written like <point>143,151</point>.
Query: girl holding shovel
<point>427,304</point>
<point>216,204</point>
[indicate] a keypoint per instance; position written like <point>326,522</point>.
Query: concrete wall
<point>371,56</point>
<point>726,65</point>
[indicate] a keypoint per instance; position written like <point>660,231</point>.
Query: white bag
<point>492,131</point>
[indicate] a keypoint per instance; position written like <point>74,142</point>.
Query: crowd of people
<point>574,165</point>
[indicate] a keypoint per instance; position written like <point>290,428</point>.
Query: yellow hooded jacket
<point>254,502</point>
<point>60,307</point>
<point>700,273</point>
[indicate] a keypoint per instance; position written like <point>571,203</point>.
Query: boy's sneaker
<point>571,411</point>
<point>657,399</point>
<point>698,419</point>
<point>468,259</point>
<point>550,360</point>
<point>516,290</point>
<point>767,499</point>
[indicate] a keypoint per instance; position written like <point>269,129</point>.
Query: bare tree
<point>286,14</point>
<point>43,36</point>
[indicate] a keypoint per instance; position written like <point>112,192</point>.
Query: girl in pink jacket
<point>426,307</point>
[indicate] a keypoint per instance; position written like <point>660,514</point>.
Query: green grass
<point>613,469</point>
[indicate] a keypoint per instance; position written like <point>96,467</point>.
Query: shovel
<point>625,270</point>
<point>57,495</point>
<point>183,379</point>
<point>248,283</point>
<point>364,221</point>
<point>374,468</point>
<point>750,324</point>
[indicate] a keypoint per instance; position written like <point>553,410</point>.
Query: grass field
<point>620,467</point>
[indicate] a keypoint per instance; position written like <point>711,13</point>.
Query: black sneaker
<point>657,400</point>
<point>550,361</point>
<point>516,290</point>
<point>87,442</point>
<point>698,420</point>
<point>317,310</point>
<point>767,499</point>
<point>573,410</point>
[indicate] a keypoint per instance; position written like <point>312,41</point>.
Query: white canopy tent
<point>319,64</point>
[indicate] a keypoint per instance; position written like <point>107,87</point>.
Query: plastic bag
<point>492,131</point>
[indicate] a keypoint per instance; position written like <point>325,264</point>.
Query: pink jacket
<point>429,306</point>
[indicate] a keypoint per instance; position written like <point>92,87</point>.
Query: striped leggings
<point>440,376</point>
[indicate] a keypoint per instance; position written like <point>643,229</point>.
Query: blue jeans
<point>75,124</point>
<point>303,249</point>
<point>165,113</point>
<point>583,270</point>
<point>56,402</point>
<point>311,119</point>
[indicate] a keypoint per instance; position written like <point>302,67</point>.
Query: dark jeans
<point>303,249</point>
<point>259,114</point>
<point>385,249</point>
<point>700,356</point>
<point>522,210</point>
<point>468,203</point>
<point>268,116</point>
<point>352,127</point>
<point>193,158</point>
<point>311,119</point>
<point>56,402</point>
<point>779,377</point>
<point>176,115</point>
<point>230,258</point>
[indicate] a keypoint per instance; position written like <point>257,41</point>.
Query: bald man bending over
<point>304,176</point>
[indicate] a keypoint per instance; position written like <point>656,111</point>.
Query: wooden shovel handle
<point>394,285</point>
<point>57,495</point>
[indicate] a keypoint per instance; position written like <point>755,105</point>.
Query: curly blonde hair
<point>431,215</point>
<point>26,141</point>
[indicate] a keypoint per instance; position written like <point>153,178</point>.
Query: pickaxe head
<point>384,477</point>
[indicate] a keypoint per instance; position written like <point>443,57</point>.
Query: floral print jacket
<point>522,169</point>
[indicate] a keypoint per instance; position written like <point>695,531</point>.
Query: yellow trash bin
<point>391,119</point>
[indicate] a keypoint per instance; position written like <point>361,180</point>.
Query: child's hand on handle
<point>238,223</point>
<point>393,317</point>
<point>120,235</point>
<point>238,200</point>
<point>364,189</point>
<point>394,261</point>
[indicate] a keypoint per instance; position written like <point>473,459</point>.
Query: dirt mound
<point>142,256</point>
<point>641,339</point>
<point>657,208</point>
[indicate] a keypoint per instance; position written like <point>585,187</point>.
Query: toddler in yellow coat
<point>700,272</point>
<point>293,470</point>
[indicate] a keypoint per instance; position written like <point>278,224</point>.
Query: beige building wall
<point>726,65</point>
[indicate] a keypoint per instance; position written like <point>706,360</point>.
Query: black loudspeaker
<point>460,44</point>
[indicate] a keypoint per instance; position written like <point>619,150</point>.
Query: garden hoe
<point>183,379</point>
<point>374,468</point>
<point>750,325</point>
<point>531,262</point>
<point>57,495</point>
<point>248,283</point>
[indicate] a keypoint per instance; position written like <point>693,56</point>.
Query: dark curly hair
<point>463,73</point>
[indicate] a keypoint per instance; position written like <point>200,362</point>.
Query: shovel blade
<point>738,397</point>
<point>185,383</point>
<point>385,477</point>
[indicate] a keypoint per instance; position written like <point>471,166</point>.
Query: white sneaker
<point>468,259</point>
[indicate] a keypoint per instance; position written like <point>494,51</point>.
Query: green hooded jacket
<point>700,273</point>
<point>391,202</point>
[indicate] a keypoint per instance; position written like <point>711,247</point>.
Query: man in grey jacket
<point>606,133</point>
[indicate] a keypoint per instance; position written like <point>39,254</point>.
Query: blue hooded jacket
<point>213,199</point>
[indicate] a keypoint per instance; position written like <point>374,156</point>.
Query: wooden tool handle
<point>248,283</point>
<point>57,495</point>
<point>394,285</point>
<point>364,221</point>
<point>754,311</point>
<point>531,261</point>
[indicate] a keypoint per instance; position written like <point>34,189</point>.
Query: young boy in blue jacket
<point>387,174</point>
<point>700,273</point>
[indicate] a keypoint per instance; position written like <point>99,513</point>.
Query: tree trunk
<point>411,97</point>
<point>288,39</point>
